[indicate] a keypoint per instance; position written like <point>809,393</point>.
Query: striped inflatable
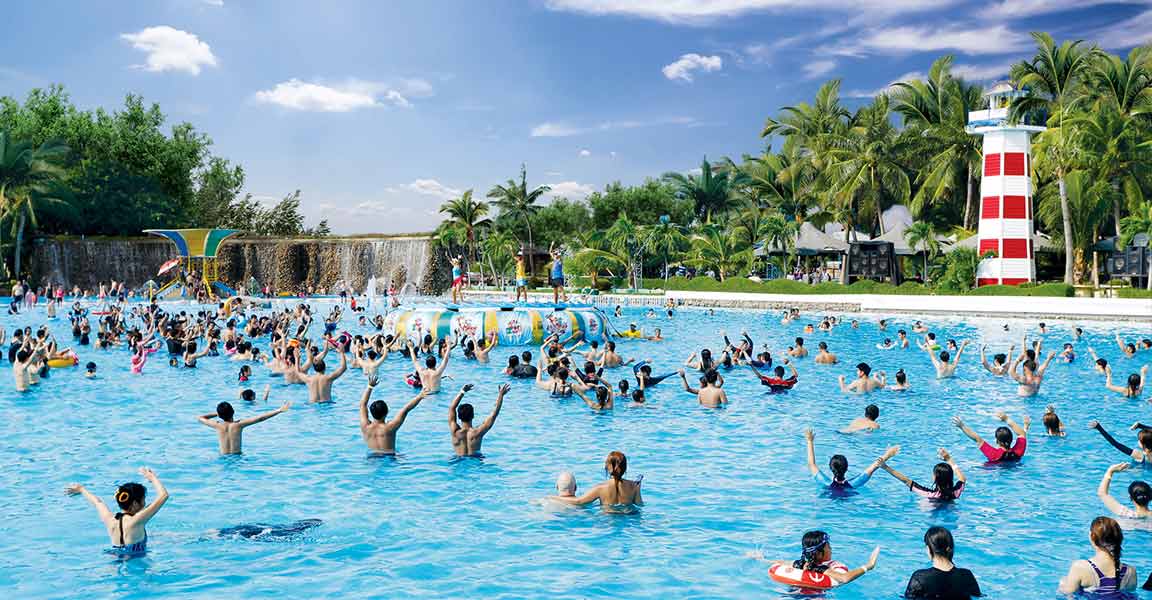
<point>514,326</point>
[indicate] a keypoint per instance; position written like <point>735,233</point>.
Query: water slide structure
<point>197,250</point>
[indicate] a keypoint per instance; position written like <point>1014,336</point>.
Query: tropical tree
<point>517,201</point>
<point>1139,222</point>
<point>718,248</point>
<point>936,109</point>
<point>780,232</point>
<point>624,238</point>
<point>665,238</point>
<point>818,126</point>
<point>1088,201</point>
<point>866,165</point>
<point>711,192</point>
<point>499,249</point>
<point>30,177</point>
<point>1055,79</point>
<point>468,214</point>
<point>921,236</point>
<point>596,254</point>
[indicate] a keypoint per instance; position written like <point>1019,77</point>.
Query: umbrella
<point>164,268</point>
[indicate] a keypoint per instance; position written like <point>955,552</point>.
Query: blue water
<point>718,483</point>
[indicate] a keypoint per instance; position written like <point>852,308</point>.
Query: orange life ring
<point>789,575</point>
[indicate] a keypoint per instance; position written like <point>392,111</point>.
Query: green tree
<point>555,222</point>
<point>921,236</point>
<point>624,239</point>
<point>1055,78</point>
<point>818,126</point>
<point>517,201</point>
<point>1139,222</point>
<point>780,232</point>
<point>711,191</point>
<point>666,238</point>
<point>714,247</point>
<point>468,214</point>
<point>30,176</point>
<point>218,186</point>
<point>865,166</point>
<point>1088,203</point>
<point>644,204</point>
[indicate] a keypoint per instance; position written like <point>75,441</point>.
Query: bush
<point>604,285</point>
<point>1134,293</point>
<point>1054,290</point>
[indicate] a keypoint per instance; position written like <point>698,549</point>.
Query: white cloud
<point>706,11</point>
<point>565,129</point>
<point>817,68</point>
<point>1136,31</point>
<point>585,153</point>
<point>213,2</point>
<point>343,97</point>
<point>1027,8</point>
<point>982,72</point>
<point>683,67</point>
<point>570,189</point>
<point>612,154</point>
<point>170,49</point>
<point>431,187</point>
<point>886,88</point>
<point>981,40</point>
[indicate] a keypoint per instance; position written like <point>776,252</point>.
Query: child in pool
<point>816,557</point>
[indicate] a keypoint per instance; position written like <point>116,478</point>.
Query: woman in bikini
<point>1102,575</point>
<point>126,528</point>
<point>616,494</point>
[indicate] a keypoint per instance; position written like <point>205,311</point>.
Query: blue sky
<point>380,110</point>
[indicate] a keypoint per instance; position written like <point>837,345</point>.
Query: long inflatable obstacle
<point>514,325</point>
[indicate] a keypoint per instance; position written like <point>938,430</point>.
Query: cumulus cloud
<point>565,129</point>
<point>348,96</point>
<point>171,49</point>
<point>570,189</point>
<point>997,39</point>
<point>684,66</point>
<point>886,88</point>
<point>818,68</point>
<point>1014,9</point>
<point>982,72</point>
<point>1136,31</point>
<point>431,187</point>
<point>213,2</point>
<point>702,12</point>
<point>585,153</point>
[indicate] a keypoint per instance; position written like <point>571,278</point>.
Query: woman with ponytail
<point>1139,491</point>
<point>616,492</point>
<point>944,580</point>
<point>948,481</point>
<point>1103,574</point>
<point>126,528</point>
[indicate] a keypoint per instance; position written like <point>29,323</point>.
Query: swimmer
<point>604,398</point>
<point>838,465</point>
<point>320,383</point>
<point>777,383</point>
<point>944,579</point>
<point>866,423</point>
<point>1005,450</point>
<point>816,557</point>
<point>709,394</point>
<point>887,344</point>
<point>127,528</point>
<point>1138,491</point>
<point>611,359</point>
<point>1129,349</point>
<point>380,434</point>
<point>615,494</point>
<point>1068,354</point>
<point>948,480</point>
<point>565,485</point>
<point>1142,454</point>
<point>229,432</point>
<point>1052,424</point>
<point>245,374</point>
<point>643,373</point>
<point>901,384</point>
<point>1077,333</point>
<point>902,339</point>
<point>466,439</point>
<point>946,365</point>
<point>919,327</point>
<point>1134,387</point>
<point>656,336</point>
<point>999,364</point>
<point>1043,328</point>
<point>823,356</point>
<point>1089,575</point>
<point>89,369</point>
<point>798,351</point>
<point>1032,376</point>
<point>1101,365</point>
<point>864,382</point>
<point>882,325</point>
<point>430,374</point>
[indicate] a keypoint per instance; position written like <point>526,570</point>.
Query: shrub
<point>1057,290</point>
<point>1134,293</point>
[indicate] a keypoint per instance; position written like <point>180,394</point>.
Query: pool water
<point>718,483</point>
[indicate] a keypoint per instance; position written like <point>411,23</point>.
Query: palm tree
<point>664,238</point>
<point>921,235</point>
<point>816,125</point>
<point>1139,222</point>
<point>780,232</point>
<point>711,191</point>
<point>937,109</point>
<point>499,247</point>
<point>718,248</point>
<point>623,239</point>
<point>468,214</point>
<point>517,201</point>
<point>866,166</point>
<point>1088,200</point>
<point>30,176</point>
<point>1055,80</point>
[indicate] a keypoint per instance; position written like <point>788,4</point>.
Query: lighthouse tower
<point>1005,191</point>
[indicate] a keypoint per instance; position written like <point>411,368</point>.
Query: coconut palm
<point>1139,222</point>
<point>817,126</point>
<point>865,165</point>
<point>1088,200</point>
<point>937,110</point>
<point>780,232</point>
<point>30,177</point>
<point>921,235</point>
<point>623,238</point>
<point>517,201</point>
<point>469,214</point>
<point>499,248</point>
<point>1055,80</point>
<point>716,247</point>
<point>665,239</point>
<point>711,192</point>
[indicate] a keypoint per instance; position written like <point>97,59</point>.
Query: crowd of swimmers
<point>569,367</point>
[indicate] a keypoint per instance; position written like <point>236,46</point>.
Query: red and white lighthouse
<point>1006,212</point>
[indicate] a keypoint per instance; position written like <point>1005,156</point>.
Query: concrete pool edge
<point>1106,309</point>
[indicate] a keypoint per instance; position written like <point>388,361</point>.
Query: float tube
<point>515,325</point>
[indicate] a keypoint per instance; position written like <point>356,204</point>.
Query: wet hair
<point>247,395</point>
<point>799,341</point>
<point>864,368</point>
<point>526,356</point>
<point>595,345</point>
<point>1100,362</point>
<point>1140,493</point>
<point>513,361</point>
<point>1145,439</point>
<point>91,367</point>
<point>129,495</point>
<point>901,332</point>
<point>838,464</point>
<point>616,465</point>
<point>711,376</point>
<point>813,544</point>
<point>1134,382</point>
<point>378,409</point>
<point>1130,347</point>
<point>610,346</point>
<point>1107,535</point>
<point>939,542</point>
<point>646,370</point>
<point>779,371</point>
<point>225,411</point>
<point>638,396</point>
<point>1030,364</point>
<point>1051,423</point>
<point>822,345</point>
<point>872,412</point>
<point>1004,440</point>
<point>944,356</point>
<point>372,355</point>
<point>945,480</point>
<point>562,373</point>
<point>931,336</point>
<point>1000,358</point>
<point>465,412</point>
<point>319,366</point>
<point>901,376</point>
<point>623,385</point>
<point>603,394</point>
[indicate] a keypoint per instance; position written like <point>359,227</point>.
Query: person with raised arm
<point>777,383</point>
<point>947,478</point>
<point>1032,376</point>
<point>864,382</point>
<point>430,374</point>
<point>1141,454</point>
<point>1134,387</point>
<point>379,433</point>
<point>999,364</point>
<point>126,529</point>
<point>320,382</point>
<point>945,365</point>
<point>709,393</point>
<point>1005,450</point>
<point>466,439</point>
<point>838,465</point>
<point>1138,491</point>
<point>229,431</point>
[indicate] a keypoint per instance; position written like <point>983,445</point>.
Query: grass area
<point>786,286</point>
<point>1134,293</point>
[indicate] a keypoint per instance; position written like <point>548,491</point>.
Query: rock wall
<point>283,264</point>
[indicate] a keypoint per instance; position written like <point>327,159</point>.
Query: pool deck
<point>1104,309</point>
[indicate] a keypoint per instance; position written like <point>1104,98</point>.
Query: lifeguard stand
<point>1006,191</point>
<point>197,249</point>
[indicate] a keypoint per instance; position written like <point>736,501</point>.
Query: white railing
<point>988,114</point>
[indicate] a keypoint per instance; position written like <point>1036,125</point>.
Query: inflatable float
<point>514,325</point>
<point>68,361</point>
<point>809,580</point>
